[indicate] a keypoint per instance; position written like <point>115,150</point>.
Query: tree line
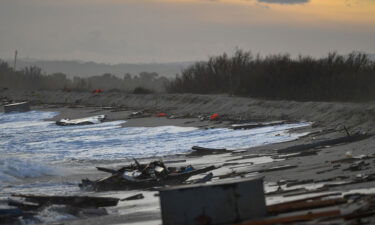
<point>331,78</point>
<point>33,78</point>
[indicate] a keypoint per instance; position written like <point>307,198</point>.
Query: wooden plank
<point>77,201</point>
<point>303,205</point>
<point>294,218</point>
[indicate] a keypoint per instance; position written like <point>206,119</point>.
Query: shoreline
<point>244,164</point>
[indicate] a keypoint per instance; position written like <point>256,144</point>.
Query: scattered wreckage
<point>27,207</point>
<point>82,121</point>
<point>142,176</point>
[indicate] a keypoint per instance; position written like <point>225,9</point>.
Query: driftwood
<point>17,107</point>
<point>24,206</point>
<point>133,197</point>
<point>304,205</point>
<point>276,168</point>
<point>118,182</point>
<point>76,201</point>
<point>346,139</point>
<point>294,218</point>
<point>256,125</point>
<point>207,151</point>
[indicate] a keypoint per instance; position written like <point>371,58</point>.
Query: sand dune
<point>357,116</point>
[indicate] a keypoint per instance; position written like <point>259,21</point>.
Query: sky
<point>139,31</point>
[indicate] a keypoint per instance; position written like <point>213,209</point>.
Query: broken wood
<point>133,197</point>
<point>276,168</point>
<point>207,151</point>
<point>77,201</point>
<point>117,181</point>
<point>280,191</point>
<point>256,125</point>
<point>336,141</point>
<point>107,170</point>
<point>303,205</point>
<point>81,121</point>
<point>24,206</point>
<point>294,218</point>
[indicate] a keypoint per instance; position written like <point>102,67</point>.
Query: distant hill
<point>87,69</point>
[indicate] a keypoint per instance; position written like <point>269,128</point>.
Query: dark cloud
<point>284,1</point>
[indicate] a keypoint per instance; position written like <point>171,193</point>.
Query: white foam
<point>13,169</point>
<point>26,137</point>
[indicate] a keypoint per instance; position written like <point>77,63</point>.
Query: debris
<point>346,139</point>
<point>282,167</point>
<point>256,125</point>
<point>353,159</point>
<point>220,203</point>
<point>293,218</point>
<point>300,182</point>
<point>97,91</point>
<point>305,192</point>
<point>139,176</point>
<point>214,116</point>
<point>77,201</point>
<point>358,166</point>
<point>107,170</point>
<point>303,205</point>
<point>17,107</point>
<point>281,191</point>
<point>204,179</point>
<point>10,216</point>
<point>299,154</point>
<point>161,115</point>
<point>176,161</point>
<point>133,197</point>
<point>82,121</point>
<point>23,205</point>
<point>207,151</point>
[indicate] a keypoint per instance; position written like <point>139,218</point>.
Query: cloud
<point>284,1</point>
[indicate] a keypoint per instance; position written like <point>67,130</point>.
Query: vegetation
<point>331,78</point>
<point>32,78</point>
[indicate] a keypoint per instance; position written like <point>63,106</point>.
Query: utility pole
<point>15,60</point>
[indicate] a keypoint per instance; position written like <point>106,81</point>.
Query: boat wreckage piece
<point>142,176</point>
<point>17,107</point>
<point>81,121</point>
<point>199,151</point>
<point>246,126</point>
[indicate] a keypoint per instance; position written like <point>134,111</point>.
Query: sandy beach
<point>307,172</point>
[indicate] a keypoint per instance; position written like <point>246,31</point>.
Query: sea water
<point>32,147</point>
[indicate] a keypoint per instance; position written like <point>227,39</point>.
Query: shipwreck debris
<point>256,125</point>
<point>32,205</point>
<point>207,151</point>
<point>318,144</point>
<point>17,107</point>
<point>82,121</point>
<point>220,203</point>
<point>141,176</point>
<point>133,197</point>
<point>77,201</point>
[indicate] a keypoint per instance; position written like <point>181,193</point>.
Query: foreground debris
<point>349,209</point>
<point>199,151</point>
<point>30,205</point>
<point>82,121</point>
<point>142,176</point>
<point>256,125</point>
<point>320,144</point>
<point>217,203</point>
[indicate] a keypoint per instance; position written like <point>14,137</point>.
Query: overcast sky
<point>114,31</point>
